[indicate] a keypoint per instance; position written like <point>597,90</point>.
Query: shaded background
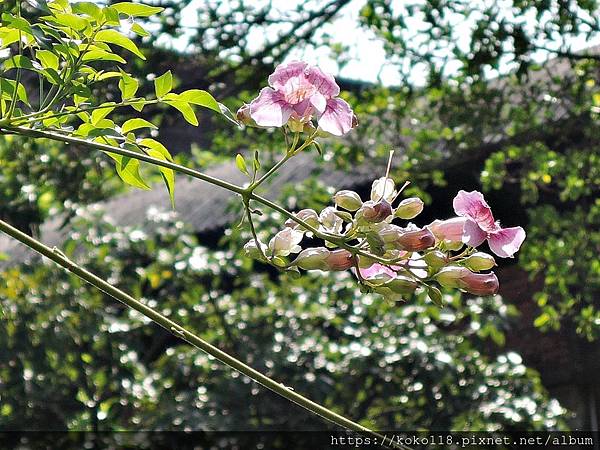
<point>496,96</point>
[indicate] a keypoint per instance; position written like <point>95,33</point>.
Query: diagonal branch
<point>177,330</point>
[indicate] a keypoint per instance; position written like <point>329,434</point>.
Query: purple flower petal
<point>270,109</point>
<point>473,205</point>
<point>506,241</point>
<point>473,235</point>
<point>319,102</point>
<point>337,118</point>
<point>284,72</point>
<point>323,82</point>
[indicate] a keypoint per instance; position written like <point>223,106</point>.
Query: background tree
<point>548,116</point>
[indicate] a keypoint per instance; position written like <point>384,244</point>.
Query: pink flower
<point>377,269</point>
<point>480,225</point>
<point>450,230</point>
<point>297,91</point>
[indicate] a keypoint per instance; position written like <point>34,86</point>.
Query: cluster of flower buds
<point>395,260</point>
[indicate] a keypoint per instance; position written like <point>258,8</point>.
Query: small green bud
<point>402,285</point>
<point>349,200</point>
<point>295,125</point>
<point>313,259</point>
<point>435,295</point>
<point>252,250</point>
<point>479,261</point>
<point>451,276</point>
<point>409,208</point>
<point>309,216</point>
<point>435,259</point>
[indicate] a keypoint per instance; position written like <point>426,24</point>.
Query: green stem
<point>246,193</point>
<point>40,115</point>
<point>62,260</point>
<point>124,152</point>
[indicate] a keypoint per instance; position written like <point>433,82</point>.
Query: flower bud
<point>409,208</point>
<point>402,285</point>
<point>285,242</point>
<point>463,278</point>
<point>340,260</point>
<point>330,220</point>
<point>389,233</point>
<point>349,200</point>
<point>450,230</point>
<point>435,259</point>
<point>375,212</point>
<point>416,240</point>
<point>309,216</point>
<point>480,283</point>
<point>253,251</point>
<point>313,259</point>
<point>479,261</point>
<point>383,189</point>
<point>450,276</point>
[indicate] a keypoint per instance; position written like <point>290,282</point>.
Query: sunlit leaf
<point>102,55</point>
<point>136,9</point>
<point>163,84</point>
<point>200,98</point>
<point>135,124</point>
<point>128,86</point>
<point>241,164</point>
<point>47,58</point>
<point>129,170</point>
<point>116,38</point>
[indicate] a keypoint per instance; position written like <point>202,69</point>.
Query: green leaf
<point>156,147</point>
<point>241,164</point>
<point>102,55</point>
<point>8,36</point>
<point>128,86</point>
<point>101,76</point>
<point>17,23</point>
<point>100,113</point>
<point>7,89</point>
<point>139,30</point>
<point>18,61</point>
<point>89,9</point>
<point>163,84</point>
<point>200,98</point>
<point>48,59</point>
<point>111,15</point>
<point>129,170</point>
<point>136,9</point>
<point>72,21</point>
<point>157,150</point>
<point>52,76</point>
<point>116,38</point>
<point>135,124</point>
<point>183,107</point>
<point>169,179</point>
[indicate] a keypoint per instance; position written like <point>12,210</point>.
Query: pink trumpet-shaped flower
<point>297,91</point>
<point>481,226</point>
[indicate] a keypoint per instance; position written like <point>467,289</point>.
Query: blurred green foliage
<point>530,141</point>
<point>69,349</point>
